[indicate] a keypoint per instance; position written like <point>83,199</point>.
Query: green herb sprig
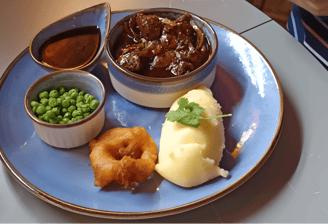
<point>189,113</point>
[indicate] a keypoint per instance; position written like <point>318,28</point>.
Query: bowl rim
<point>99,51</point>
<point>169,79</point>
<point>67,125</point>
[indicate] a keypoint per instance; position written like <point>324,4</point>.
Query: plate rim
<point>157,213</point>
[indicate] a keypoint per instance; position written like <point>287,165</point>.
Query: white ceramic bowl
<point>74,134</point>
<point>160,92</point>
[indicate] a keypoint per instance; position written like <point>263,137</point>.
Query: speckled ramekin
<point>74,134</point>
<point>98,15</point>
<point>160,92</point>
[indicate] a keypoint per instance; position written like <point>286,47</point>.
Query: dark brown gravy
<point>72,48</point>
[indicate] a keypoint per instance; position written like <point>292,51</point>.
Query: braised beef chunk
<point>149,25</point>
<point>173,61</point>
<point>150,49</point>
<point>180,68</point>
<point>130,61</point>
<point>161,47</point>
<point>164,60</point>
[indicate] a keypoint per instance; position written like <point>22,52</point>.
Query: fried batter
<point>123,155</point>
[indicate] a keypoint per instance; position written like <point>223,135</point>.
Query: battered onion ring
<point>123,155</point>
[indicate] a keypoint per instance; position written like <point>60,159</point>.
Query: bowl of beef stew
<point>157,55</point>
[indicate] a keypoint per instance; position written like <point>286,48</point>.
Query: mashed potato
<point>190,156</point>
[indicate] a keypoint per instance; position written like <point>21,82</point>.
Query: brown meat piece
<point>181,67</point>
<point>189,54</point>
<point>177,35</point>
<point>150,49</point>
<point>130,61</point>
<point>149,25</point>
<point>164,60</point>
<point>172,60</point>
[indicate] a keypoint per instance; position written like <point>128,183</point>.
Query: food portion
<point>61,106</point>
<point>160,47</point>
<point>123,155</point>
<point>190,156</point>
<point>72,48</point>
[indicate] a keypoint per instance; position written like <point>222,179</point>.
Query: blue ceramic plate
<point>245,86</point>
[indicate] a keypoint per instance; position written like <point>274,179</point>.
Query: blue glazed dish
<point>160,92</point>
<point>98,15</point>
<point>245,85</point>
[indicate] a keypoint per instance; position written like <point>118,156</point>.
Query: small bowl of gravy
<point>157,55</point>
<point>76,41</point>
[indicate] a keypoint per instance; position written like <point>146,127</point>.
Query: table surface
<point>290,187</point>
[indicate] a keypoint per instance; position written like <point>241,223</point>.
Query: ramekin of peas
<point>67,107</point>
<point>62,106</point>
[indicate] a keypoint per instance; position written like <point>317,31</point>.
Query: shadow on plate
<point>227,91</point>
<point>273,176</point>
<point>147,186</point>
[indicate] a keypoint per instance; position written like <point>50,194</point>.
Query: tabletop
<point>290,187</point>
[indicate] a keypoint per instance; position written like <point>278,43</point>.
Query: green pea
<point>53,120</point>
<point>72,101</point>
<point>81,93</point>
<point>86,96</point>
<point>53,102</point>
<point>43,95</point>
<point>74,95</point>
<point>44,101</point>
<point>94,104</point>
<point>41,110</point>
<point>74,113</point>
<point>68,115</point>
<point>65,94</point>
<point>48,107</point>
<point>79,108</point>
<point>40,117</point>
<point>56,110</point>
<point>61,90</point>
<point>79,112</point>
<point>79,104</point>
<point>34,104</point>
<point>70,121</point>
<point>60,117</point>
<point>85,108</point>
<point>64,110</point>
<point>78,118</point>
<point>59,100</point>
<point>65,119</point>
<point>71,108</point>
<point>34,109</point>
<point>79,99</point>
<point>86,114</point>
<point>65,103</point>
<point>54,93</point>
<point>72,90</point>
<point>51,114</point>
<point>45,117</point>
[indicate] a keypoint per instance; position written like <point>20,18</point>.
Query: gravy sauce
<point>71,49</point>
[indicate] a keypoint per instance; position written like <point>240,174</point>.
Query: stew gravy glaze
<point>159,47</point>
